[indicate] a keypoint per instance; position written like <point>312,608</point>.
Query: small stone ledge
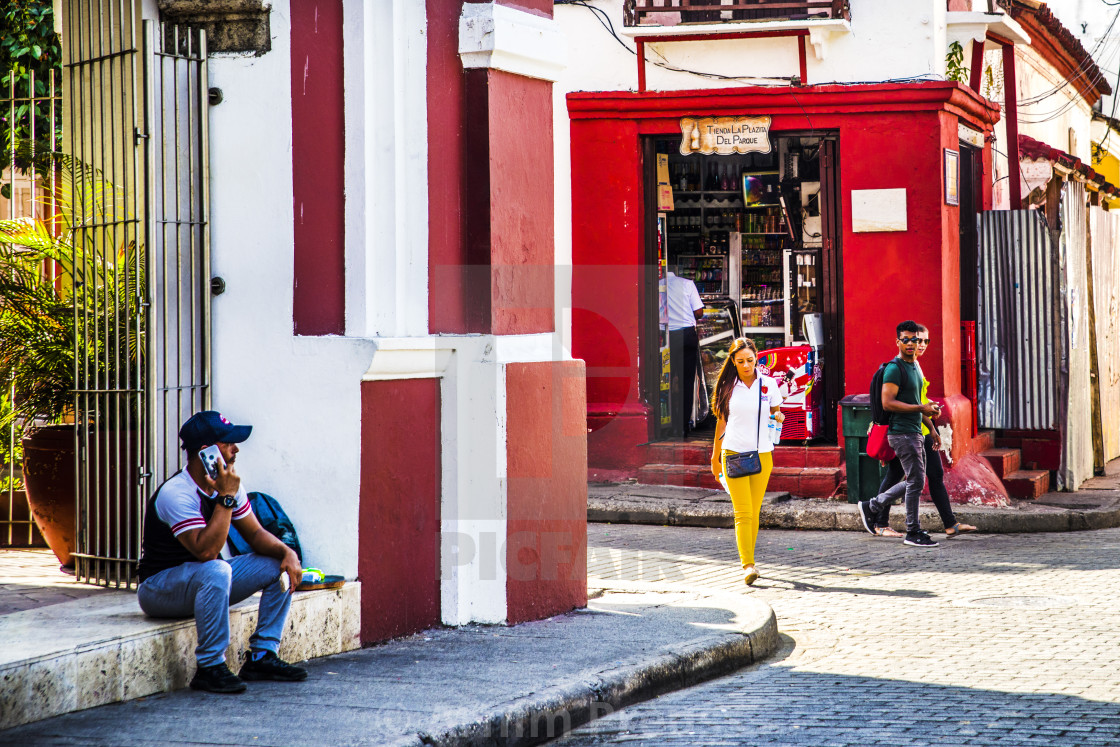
<point>232,26</point>
<point>102,649</point>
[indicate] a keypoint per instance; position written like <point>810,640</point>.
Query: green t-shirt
<point>909,381</point>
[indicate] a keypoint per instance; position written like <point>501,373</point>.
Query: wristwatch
<point>229,501</point>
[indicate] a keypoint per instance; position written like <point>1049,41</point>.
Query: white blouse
<point>745,422</point>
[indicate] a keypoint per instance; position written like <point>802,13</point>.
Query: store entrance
<point>748,230</point>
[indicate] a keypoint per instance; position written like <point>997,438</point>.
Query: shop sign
<point>725,135</point>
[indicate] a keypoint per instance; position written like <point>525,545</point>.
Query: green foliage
<point>954,64</point>
<point>28,45</point>
<point>11,448</point>
<point>58,277</point>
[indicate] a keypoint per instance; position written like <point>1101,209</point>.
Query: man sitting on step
<point>185,569</point>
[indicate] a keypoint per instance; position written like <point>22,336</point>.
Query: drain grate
<point>1022,602</point>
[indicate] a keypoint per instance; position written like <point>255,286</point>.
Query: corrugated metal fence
<point>1018,321</point>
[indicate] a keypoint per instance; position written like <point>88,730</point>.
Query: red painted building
<point>870,138</point>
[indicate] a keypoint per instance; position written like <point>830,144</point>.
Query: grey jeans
<point>912,454</point>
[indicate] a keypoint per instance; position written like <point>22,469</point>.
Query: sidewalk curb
<point>532,719</point>
<point>814,514</point>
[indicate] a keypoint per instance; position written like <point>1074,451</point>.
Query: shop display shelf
<point>763,300</point>
<point>764,330</point>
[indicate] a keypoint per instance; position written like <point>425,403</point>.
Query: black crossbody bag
<point>746,463</point>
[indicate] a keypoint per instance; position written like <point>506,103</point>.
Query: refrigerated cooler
<point>797,370</point>
<point>778,285</point>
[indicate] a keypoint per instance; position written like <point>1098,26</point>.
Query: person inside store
<point>184,566</point>
<point>743,401</point>
<point>935,470</point>
<point>685,309</point>
<point>902,392</point>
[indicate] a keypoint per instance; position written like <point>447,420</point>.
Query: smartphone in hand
<point>211,457</point>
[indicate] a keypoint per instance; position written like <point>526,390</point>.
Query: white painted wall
<point>301,394</point>
<point>893,39</point>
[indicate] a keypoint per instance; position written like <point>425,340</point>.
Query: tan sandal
<point>959,528</point>
<point>751,577</point>
<point>887,532</point>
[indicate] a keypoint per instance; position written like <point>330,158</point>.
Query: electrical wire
<point>1090,59</point>
<point>605,21</point>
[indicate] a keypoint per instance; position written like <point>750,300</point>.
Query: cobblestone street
<point>985,640</point>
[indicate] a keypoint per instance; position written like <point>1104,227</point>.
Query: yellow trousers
<point>746,500</point>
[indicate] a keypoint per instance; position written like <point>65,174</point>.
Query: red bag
<point>877,445</point>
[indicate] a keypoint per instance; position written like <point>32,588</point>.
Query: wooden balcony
<point>673,12</point>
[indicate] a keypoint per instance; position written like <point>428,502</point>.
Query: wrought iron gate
<point>136,109</point>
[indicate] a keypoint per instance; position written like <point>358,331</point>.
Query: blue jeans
<point>206,590</point>
<point>912,455</point>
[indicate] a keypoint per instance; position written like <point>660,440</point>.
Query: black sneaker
<point>271,667</point>
<point>866,516</point>
<point>217,679</point>
<point>919,539</point>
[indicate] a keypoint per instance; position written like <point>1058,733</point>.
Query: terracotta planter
<point>48,476</point>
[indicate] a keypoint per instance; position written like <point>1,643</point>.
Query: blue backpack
<point>273,519</point>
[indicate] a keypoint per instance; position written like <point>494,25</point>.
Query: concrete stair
<point>102,649</point>
<point>812,472</point>
<point>1025,484</point>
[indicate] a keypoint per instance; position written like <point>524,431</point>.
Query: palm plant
<point>69,301</point>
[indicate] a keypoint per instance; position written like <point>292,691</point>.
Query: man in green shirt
<point>902,398</point>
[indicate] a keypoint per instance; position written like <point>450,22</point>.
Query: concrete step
<point>689,476</point>
<point>1027,484</point>
<point>699,453</point>
<point>687,452</point>
<point>805,482</point>
<point>984,440</point>
<point>1003,461</point>
<point>102,649</point>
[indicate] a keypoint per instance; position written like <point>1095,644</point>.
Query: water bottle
<point>775,430</point>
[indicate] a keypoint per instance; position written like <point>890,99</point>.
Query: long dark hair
<point>725,382</point>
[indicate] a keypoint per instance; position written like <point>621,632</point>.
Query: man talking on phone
<point>185,570</point>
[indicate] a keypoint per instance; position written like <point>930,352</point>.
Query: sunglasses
<point>914,340</point>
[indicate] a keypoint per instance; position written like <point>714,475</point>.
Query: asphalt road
<point>985,640</point>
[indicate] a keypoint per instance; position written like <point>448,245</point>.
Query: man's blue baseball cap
<point>210,427</point>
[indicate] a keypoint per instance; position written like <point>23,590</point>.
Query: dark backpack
<point>273,519</point>
<point>879,416</point>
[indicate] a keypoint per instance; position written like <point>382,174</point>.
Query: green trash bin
<point>864,472</point>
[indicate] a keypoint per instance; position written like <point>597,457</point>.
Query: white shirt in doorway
<point>683,301</point>
<point>746,426</point>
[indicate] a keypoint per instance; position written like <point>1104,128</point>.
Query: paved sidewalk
<point>471,685</point>
<point>1096,505</point>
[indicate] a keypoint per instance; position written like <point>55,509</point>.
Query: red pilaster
<point>399,508</point>
<point>318,155</point>
<point>975,74</point>
<point>546,458</point>
<point>1011,96</point>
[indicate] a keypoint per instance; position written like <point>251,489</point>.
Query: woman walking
<point>935,471</point>
<point>743,401</point>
